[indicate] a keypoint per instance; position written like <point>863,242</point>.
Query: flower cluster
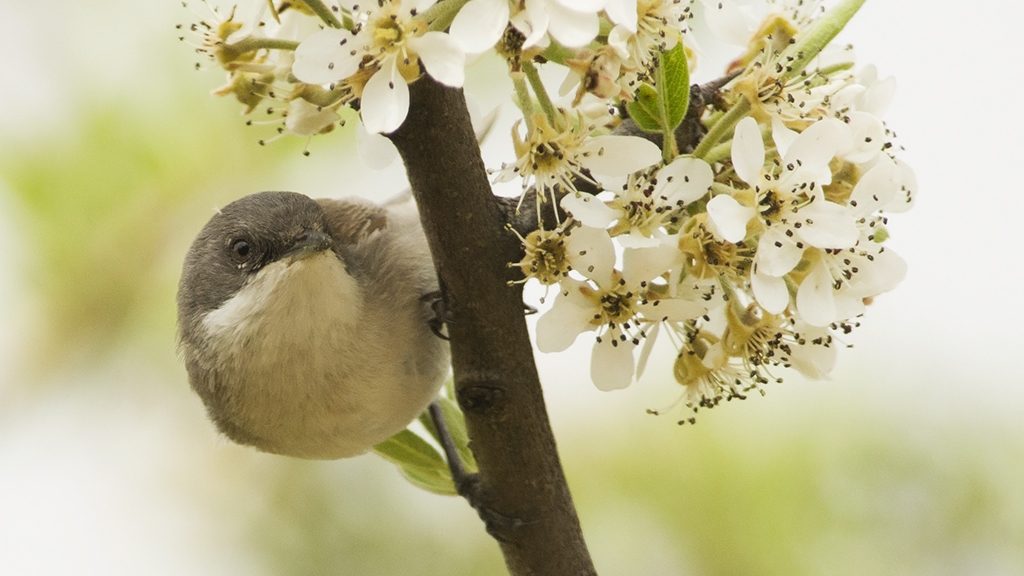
<point>745,222</point>
<point>754,251</point>
<point>310,59</point>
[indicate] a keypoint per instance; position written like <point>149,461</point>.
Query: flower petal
<point>611,367</point>
<point>814,299</point>
<point>771,291</point>
<point>618,155</point>
<point>480,24</point>
<point>728,219</point>
<point>875,189</point>
<point>883,274</point>
<point>907,181</point>
<point>645,350</point>
<point>385,102</point>
<point>532,22</point>
<point>646,264</point>
<point>594,6</point>
<point>878,96</point>
<point>442,57</point>
<point>728,23</point>
<point>589,209</point>
<point>748,151</point>
<point>815,147</point>
<point>782,136</point>
<point>558,328</point>
<point>623,13</point>
<point>848,304</point>
<point>636,239</point>
<point>817,357</point>
<point>618,39</point>
<point>867,136</point>
<point>376,151</point>
<point>825,224</point>
<point>672,309</point>
<point>777,253</point>
<point>591,252</point>
<point>684,180</point>
<point>305,119</point>
<point>572,28</point>
<point>326,57</point>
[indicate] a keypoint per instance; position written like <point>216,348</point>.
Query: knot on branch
<point>482,399</point>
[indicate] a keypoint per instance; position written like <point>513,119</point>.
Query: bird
<point>304,324</point>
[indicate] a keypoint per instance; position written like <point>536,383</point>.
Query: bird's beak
<point>309,243</point>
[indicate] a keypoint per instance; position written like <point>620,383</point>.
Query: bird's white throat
<point>289,343</point>
<point>301,308</point>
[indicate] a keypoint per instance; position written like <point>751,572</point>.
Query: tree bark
<point>492,358</point>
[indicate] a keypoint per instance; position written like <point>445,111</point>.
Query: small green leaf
<point>663,109</point>
<point>430,481</point>
<point>675,77</point>
<point>644,110</point>
<point>419,461</point>
<point>408,448</point>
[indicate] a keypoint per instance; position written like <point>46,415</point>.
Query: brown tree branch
<point>495,376</point>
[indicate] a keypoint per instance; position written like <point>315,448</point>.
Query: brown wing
<point>353,219</point>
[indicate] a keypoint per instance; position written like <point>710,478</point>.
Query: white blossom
<point>655,27</point>
<point>548,156</point>
<point>647,203</point>
<point>616,305</point>
<point>387,44</point>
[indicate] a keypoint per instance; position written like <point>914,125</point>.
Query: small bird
<point>304,324</point>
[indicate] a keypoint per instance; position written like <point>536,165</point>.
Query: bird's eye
<point>240,250</point>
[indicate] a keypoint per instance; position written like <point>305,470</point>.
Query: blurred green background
<point>112,155</point>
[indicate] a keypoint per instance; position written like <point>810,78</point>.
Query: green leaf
<point>644,110</point>
<point>430,481</point>
<point>408,448</point>
<point>810,42</point>
<point>663,109</point>
<point>674,86</point>
<point>418,460</point>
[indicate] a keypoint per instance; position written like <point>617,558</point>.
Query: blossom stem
<point>525,101</point>
<point>718,153</point>
<point>558,54</point>
<point>542,95</point>
<point>833,69</point>
<point>442,14</point>
<point>251,44</point>
<point>325,14</point>
<point>717,188</point>
<point>724,126</point>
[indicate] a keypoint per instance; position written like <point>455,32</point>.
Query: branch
<point>496,379</point>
